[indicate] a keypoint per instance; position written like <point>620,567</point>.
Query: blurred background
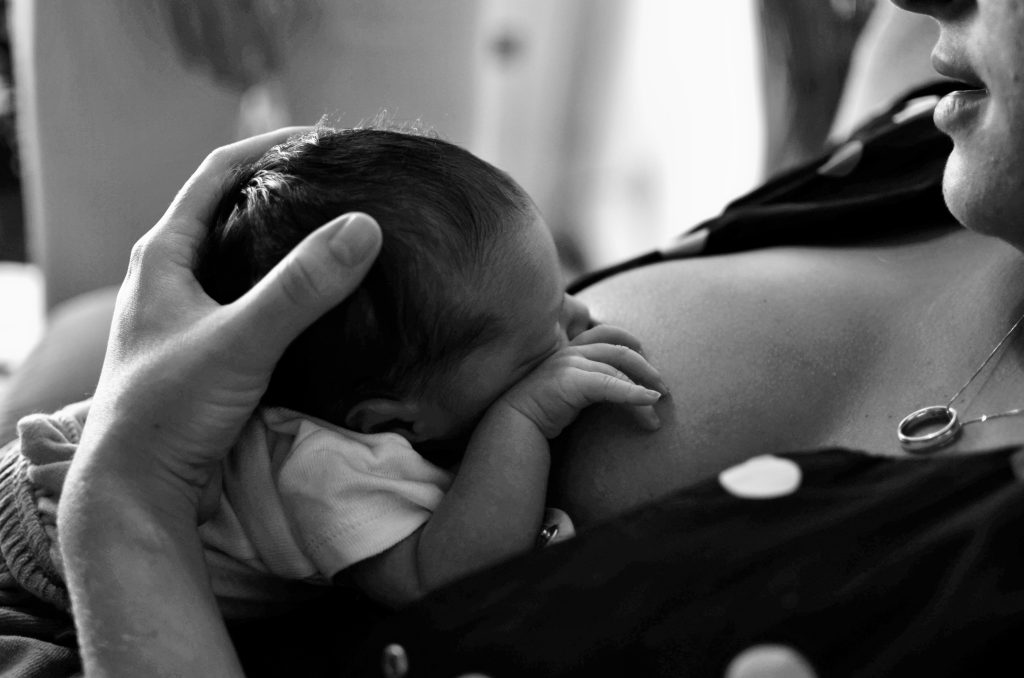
<point>628,121</point>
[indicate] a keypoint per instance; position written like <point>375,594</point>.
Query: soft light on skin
<point>982,43</point>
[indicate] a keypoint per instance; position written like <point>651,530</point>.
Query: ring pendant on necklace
<point>945,416</point>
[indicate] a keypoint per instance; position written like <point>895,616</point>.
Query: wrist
<point>549,422</point>
<point>110,498</point>
<point>517,416</point>
<point>137,577</point>
<point>111,464</point>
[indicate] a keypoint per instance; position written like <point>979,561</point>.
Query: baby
<point>461,330</point>
<point>403,440</point>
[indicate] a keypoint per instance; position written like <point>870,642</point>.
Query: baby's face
<point>525,287</point>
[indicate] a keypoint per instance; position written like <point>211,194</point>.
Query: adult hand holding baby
<point>189,371</point>
<point>181,376</point>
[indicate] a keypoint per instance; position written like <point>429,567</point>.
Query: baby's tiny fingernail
<point>652,393</point>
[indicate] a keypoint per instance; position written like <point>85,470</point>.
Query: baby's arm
<point>495,505</point>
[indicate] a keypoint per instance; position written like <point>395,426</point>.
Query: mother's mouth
<point>959,109</point>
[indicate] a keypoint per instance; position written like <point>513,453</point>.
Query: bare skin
<point>792,349</point>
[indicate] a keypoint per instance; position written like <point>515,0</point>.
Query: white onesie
<point>304,499</point>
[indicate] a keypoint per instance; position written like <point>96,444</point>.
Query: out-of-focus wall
<point>683,133</point>
<point>113,118</point>
<point>628,120</point>
<point>417,60</point>
<point>109,122</point>
<point>545,88</point>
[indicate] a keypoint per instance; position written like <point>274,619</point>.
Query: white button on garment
<point>769,661</point>
<point>764,477</point>
<point>394,661</point>
<point>916,108</point>
<point>844,160</point>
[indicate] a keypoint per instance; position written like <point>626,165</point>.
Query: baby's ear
<point>378,415</point>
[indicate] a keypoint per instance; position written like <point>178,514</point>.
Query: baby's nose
<point>576,317</point>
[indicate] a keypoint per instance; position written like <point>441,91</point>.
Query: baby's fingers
<point>627,360</point>
<point>600,385</point>
<point>637,396</point>
<point>607,334</point>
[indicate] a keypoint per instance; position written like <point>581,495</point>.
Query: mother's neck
<point>990,271</point>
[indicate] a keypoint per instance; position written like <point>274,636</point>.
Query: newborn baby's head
<point>463,300</point>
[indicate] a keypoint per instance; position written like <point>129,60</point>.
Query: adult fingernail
<point>356,240</point>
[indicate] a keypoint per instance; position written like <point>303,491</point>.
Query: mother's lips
<point>956,69</point>
<point>958,109</point>
<point>972,88</point>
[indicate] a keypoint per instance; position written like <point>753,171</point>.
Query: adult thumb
<point>316,276</point>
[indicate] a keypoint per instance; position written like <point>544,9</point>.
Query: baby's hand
<point>599,365</point>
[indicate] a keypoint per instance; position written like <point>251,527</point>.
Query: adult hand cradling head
<point>172,344</point>
<point>181,376</point>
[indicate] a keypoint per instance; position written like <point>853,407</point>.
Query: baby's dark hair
<point>441,210</point>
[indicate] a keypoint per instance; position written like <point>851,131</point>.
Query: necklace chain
<point>946,415</point>
<point>985,362</point>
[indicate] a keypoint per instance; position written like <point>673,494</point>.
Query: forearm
<point>496,503</point>
<point>492,511</point>
<point>137,578</point>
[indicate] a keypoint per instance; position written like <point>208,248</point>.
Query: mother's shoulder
<point>732,288</point>
<point>781,273</point>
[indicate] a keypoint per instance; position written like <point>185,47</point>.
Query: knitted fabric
<point>28,554</point>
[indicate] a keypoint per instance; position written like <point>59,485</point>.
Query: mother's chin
<point>983,195</point>
<point>983,183</point>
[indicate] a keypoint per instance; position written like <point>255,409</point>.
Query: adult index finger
<point>194,205</point>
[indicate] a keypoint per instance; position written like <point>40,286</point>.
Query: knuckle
<point>608,384</point>
<point>299,284</point>
<point>219,157</point>
<point>570,385</point>
<point>138,253</point>
<point>565,379</point>
<point>142,254</point>
<point>574,361</point>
